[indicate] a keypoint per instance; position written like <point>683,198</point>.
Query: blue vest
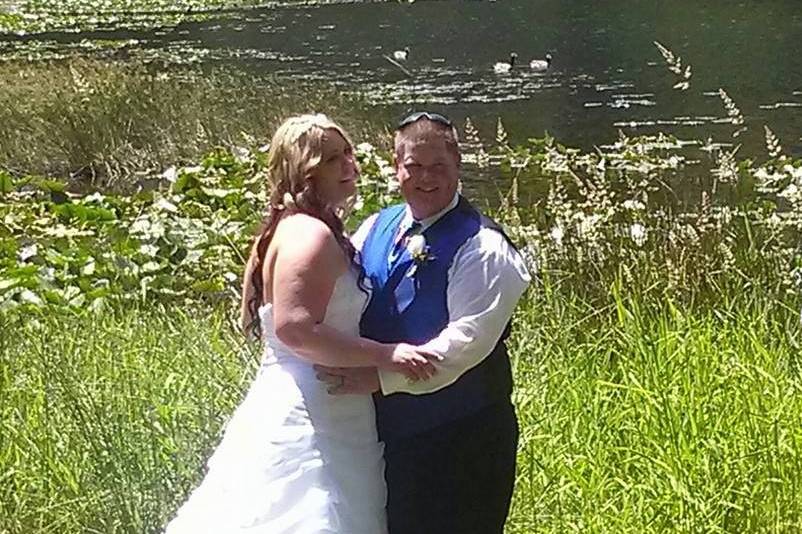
<point>408,304</point>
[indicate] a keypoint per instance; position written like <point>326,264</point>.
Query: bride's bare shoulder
<point>303,227</point>
<point>301,234</point>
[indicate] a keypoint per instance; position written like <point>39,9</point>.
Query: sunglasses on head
<point>418,115</point>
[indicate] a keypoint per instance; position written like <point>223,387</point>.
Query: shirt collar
<point>428,221</point>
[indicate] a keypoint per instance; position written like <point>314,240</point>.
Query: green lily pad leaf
<point>22,273</point>
<point>149,250</point>
<point>55,257</point>
<point>150,267</point>
<point>165,205</point>
<point>89,268</point>
<point>218,192</point>
<point>75,297</point>
<point>50,186</point>
<point>84,213</point>
<point>6,283</point>
<point>185,182</point>
<point>212,285</point>
<point>6,183</point>
<point>98,305</point>
<point>29,297</point>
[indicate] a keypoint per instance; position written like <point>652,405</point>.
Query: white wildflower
<point>28,252</point>
<point>556,234</point>
<point>165,205</point>
<point>790,192</point>
<point>89,267</point>
<point>530,254</point>
<point>386,170</point>
<point>365,148</point>
<point>241,154</point>
<point>29,297</point>
<point>774,221</point>
<point>763,174</point>
<point>638,234</point>
<point>793,172</point>
<point>47,273</point>
<point>634,205</point>
<point>150,267</point>
<point>140,226</point>
<point>62,231</point>
<point>149,250</point>
<point>587,224</point>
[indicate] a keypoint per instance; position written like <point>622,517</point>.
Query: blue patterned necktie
<point>400,242</point>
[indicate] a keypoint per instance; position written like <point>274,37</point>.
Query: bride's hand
<point>412,361</point>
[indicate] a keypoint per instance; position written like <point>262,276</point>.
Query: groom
<point>445,276</point>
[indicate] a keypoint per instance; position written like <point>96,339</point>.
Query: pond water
<point>606,73</point>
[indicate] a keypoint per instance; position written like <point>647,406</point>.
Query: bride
<point>293,458</point>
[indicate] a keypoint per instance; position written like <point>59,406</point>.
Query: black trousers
<point>456,479</point>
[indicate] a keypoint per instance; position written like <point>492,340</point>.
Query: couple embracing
<point>382,403</point>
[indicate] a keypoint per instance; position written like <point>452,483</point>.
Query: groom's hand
<point>349,380</point>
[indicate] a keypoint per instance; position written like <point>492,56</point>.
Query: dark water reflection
<point>606,73</point>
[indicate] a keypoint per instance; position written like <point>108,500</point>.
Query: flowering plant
<point>418,249</point>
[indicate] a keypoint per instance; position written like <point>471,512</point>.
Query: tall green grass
<point>106,420</point>
<point>636,416</point>
<point>642,417</point>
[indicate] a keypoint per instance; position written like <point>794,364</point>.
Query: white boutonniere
<point>418,251</point>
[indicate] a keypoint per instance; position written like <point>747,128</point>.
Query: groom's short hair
<point>423,128</point>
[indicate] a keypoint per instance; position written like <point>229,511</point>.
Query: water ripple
<point>779,105</point>
<point>612,86</point>
<point>676,121</point>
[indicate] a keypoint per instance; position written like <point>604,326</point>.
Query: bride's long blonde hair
<point>295,151</point>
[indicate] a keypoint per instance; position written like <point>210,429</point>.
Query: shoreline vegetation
<point>110,124</point>
<point>657,360</point>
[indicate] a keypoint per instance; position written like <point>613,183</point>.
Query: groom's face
<point>427,170</point>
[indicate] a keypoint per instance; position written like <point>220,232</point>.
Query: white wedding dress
<point>294,458</point>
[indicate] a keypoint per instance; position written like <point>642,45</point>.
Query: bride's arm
<point>308,262</point>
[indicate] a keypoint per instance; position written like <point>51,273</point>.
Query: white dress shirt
<point>485,281</point>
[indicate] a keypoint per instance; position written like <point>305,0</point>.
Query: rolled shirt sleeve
<point>485,282</point>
